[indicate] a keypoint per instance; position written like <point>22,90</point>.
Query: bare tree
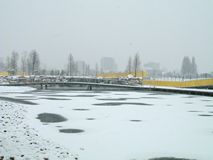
<point>29,66</point>
<point>194,67</point>
<point>8,64</point>
<point>33,62</point>
<point>87,70</point>
<point>186,67</point>
<point>43,71</point>
<point>189,68</point>
<point>62,73</point>
<point>14,62</point>
<point>96,69</point>
<point>71,65</point>
<point>76,69</point>
<point>24,63</point>
<point>136,63</point>
<point>129,65</point>
<point>83,69</point>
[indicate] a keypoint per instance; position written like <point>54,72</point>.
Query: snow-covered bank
<point>19,140</point>
<point>14,89</point>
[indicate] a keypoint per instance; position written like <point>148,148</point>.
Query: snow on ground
<point>124,125</point>
<point>19,140</point>
<point>15,89</point>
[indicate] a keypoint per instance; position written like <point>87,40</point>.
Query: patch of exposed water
<point>71,130</point>
<point>80,109</point>
<point>120,103</point>
<point>51,118</point>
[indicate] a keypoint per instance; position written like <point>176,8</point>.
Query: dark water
<point>161,93</point>
<point>112,99</point>
<point>170,158</point>
<point>21,101</point>
<point>115,99</point>
<point>51,118</point>
<point>120,103</point>
<point>83,95</point>
<point>206,115</point>
<point>80,109</point>
<point>57,95</point>
<point>121,94</point>
<point>60,95</point>
<point>50,98</point>
<point>209,105</point>
<point>31,97</point>
<point>194,111</point>
<point>206,100</point>
<point>151,97</point>
<point>136,120</point>
<point>71,130</point>
<point>189,97</point>
<point>90,119</point>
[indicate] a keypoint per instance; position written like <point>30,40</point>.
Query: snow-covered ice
<point>124,125</point>
<point>15,89</point>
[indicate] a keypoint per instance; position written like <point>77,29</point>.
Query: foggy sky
<point>160,30</point>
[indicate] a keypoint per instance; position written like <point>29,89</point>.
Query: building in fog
<point>108,65</point>
<point>80,66</point>
<point>82,69</point>
<point>153,69</point>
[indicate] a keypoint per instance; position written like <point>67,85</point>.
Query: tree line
<point>28,63</point>
<point>134,64</point>
<point>78,68</point>
<point>189,67</point>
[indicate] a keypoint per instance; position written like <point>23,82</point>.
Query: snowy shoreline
<point>20,141</point>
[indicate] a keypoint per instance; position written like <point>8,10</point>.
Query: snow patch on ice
<point>15,89</point>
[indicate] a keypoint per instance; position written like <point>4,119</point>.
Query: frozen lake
<point>120,125</point>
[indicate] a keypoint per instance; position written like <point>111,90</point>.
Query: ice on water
<point>171,126</point>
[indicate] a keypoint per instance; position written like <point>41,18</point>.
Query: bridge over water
<point>91,86</point>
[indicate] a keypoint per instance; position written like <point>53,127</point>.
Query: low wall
<point>180,84</point>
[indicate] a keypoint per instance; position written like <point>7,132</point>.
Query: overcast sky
<point>160,30</point>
